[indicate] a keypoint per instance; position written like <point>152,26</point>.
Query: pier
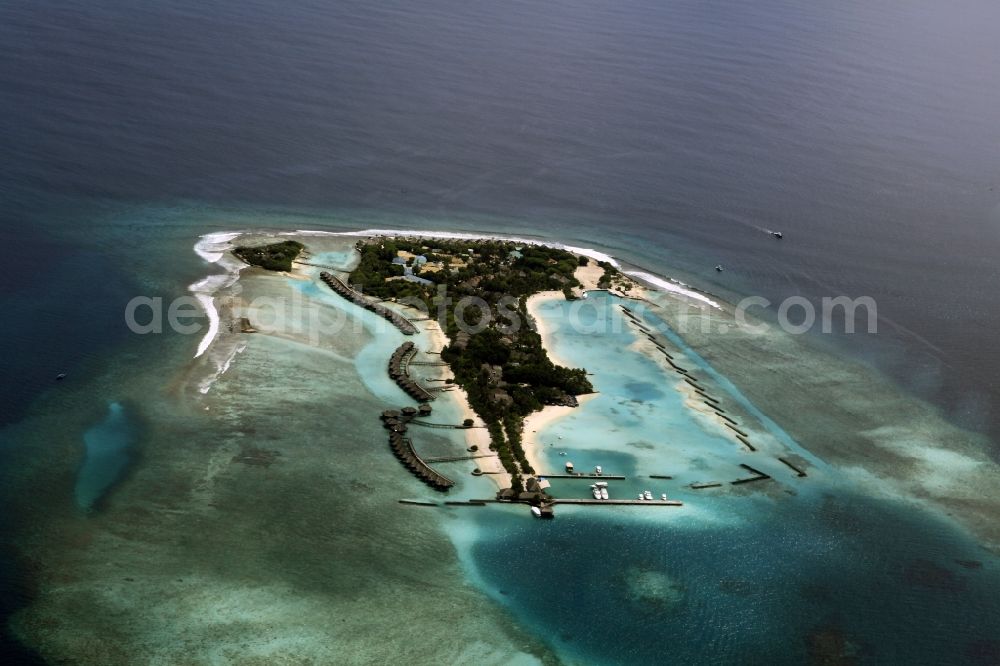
<point>581,475</point>
<point>618,502</point>
<point>440,459</point>
<point>343,289</point>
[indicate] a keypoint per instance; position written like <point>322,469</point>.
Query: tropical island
<point>273,257</point>
<point>495,355</point>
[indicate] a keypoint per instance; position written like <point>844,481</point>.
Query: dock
<point>612,477</point>
<point>702,486</point>
<point>440,459</point>
<point>343,289</point>
<point>619,502</point>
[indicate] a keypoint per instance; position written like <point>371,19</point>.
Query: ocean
<point>671,135</point>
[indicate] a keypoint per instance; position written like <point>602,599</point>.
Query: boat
<point>536,512</point>
<point>719,268</point>
<point>641,496</point>
<point>598,470</point>
<point>596,492</point>
<point>777,234</point>
<point>569,467</point>
<point>604,493</point>
<point>663,497</point>
<point>61,376</point>
<point>647,495</point>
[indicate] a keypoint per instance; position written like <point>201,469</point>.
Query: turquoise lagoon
<point>327,560</point>
<point>779,571</point>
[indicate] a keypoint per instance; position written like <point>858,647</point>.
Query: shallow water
<point>779,571</point>
<point>107,456</point>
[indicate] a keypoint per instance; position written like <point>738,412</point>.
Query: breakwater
<point>342,288</point>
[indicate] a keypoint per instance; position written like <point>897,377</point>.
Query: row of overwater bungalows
<point>397,370</point>
<point>402,448</point>
<point>396,319</point>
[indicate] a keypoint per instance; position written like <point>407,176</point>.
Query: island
<point>495,354</point>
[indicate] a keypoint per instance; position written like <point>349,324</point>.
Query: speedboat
<point>596,492</point>
<point>719,268</point>
<point>604,493</point>
<point>647,495</point>
<point>598,470</point>
<point>663,497</point>
<point>777,234</point>
<point>536,512</point>
<point>641,496</point>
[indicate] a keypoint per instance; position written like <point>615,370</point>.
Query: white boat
<point>569,467</point>
<point>663,497</point>
<point>647,495</point>
<point>604,493</point>
<point>598,470</point>
<point>536,512</point>
<point>641,496</point>
<point>596,492</point>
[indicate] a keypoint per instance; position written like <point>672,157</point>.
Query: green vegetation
<point>502,366</point>
<point>274,257</point>
<point>610,274</point>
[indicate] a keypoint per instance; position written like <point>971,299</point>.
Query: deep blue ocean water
<point>672,133</point>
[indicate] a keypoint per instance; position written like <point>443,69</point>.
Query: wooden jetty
<point>618,502</point>
<point>798,471</point>
<point>390,315</point>
<point>452,426</point>
<point>701,486</point>
<point>418,502</point>
<point>439,459</point>
<point>612,477</point>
